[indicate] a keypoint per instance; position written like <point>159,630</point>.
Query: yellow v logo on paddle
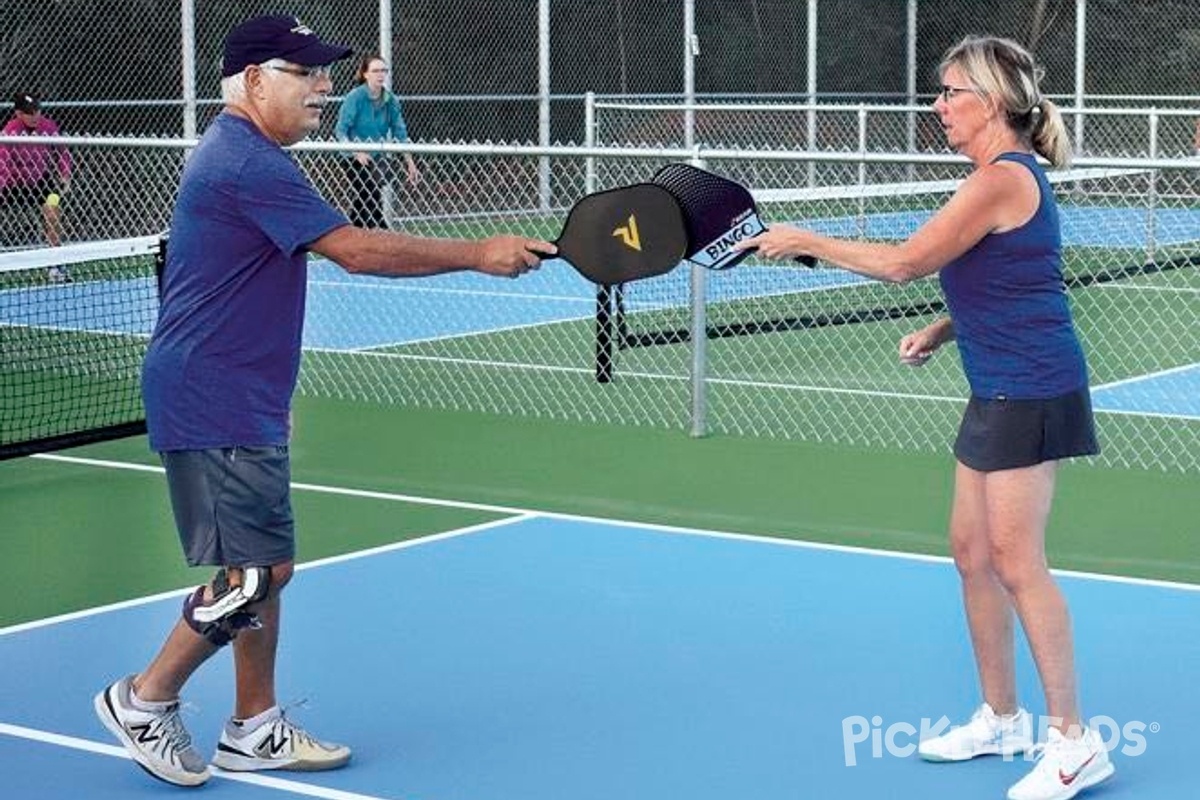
<point>629,234</point>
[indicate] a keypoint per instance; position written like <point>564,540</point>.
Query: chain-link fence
<point>786,352</point>
<point>151,67</point>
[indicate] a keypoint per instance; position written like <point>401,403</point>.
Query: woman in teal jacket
<point>371,113</point>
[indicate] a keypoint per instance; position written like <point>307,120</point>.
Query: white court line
<point>449,337</point>
<point>113,751</point>
<point>524,514</point>
<point>1137,287</point>
<point>836,390</point>
<point>371,551</point>
<point>1149,376</point>
<point>408,288</point>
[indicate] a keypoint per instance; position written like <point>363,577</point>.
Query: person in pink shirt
<point>34,175</point>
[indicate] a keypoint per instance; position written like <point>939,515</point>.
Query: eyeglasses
<point>309,73</point>
<point>379,70</point>
<point>948,93</point>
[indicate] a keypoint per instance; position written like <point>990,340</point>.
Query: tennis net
<point>1118,225</point>
<point>74,324</point>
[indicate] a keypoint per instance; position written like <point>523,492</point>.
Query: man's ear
<point>255,82</point>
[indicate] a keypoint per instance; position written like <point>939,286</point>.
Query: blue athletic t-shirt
<point>223,360</point>
<point>1008,303</point>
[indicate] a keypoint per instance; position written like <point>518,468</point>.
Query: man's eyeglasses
<point>948,93</point>
<point>310,73</point>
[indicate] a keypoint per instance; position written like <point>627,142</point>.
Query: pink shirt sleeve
<point>48,127</point>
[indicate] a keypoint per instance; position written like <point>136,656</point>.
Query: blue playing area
<point>1174,393</point>
<point>547,657</point>
<point>437,307</point>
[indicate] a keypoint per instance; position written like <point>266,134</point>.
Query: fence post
<point>812,88</point>
<point>1152,193</point>
<point>1080,68</point>
<point>187,33</point>
<point>589,140</point>
<point>911,85</point>
<point>862,170</point>
<point>699,294</point>
<point>544,102</point>
<point>691,49</point>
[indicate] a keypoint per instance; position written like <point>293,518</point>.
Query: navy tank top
<point>1008,303</point>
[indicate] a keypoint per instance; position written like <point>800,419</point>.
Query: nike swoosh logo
<point>1068,779</point>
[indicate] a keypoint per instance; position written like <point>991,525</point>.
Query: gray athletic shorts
<point>1008,434</point>
<point>232,505</point>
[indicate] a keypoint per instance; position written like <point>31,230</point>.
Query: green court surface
<point>81,534</point>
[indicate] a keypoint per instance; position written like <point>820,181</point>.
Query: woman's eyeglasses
<point>948,93</point>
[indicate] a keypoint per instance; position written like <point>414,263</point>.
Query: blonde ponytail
<point>1049,135</point>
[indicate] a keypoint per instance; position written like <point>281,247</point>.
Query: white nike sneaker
<point>278,743</point>
<point>985,734</point>
<point>1065,767</point>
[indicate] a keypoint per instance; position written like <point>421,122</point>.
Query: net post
<point>604,334</point>
<point>160,262</point>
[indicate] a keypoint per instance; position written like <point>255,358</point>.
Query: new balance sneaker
<point>1065,767</point>
<point>985,734</point>
<point>156,738</point>
<point>276,743</point>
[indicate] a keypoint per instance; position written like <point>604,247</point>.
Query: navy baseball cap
<point>259,40</point>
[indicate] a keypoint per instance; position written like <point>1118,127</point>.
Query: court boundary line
<point>524,514</point>
<point>405,287</point>
<point>511,518</point>
<point>453,337</point>
<point>115,751</point>
<point>1149,376</point>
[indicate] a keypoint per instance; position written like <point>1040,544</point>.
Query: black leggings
<point>366,202</point>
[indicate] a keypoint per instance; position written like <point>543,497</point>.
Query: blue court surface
<point>347,312</point>
<point>556,658</point>
<point>1173,393</point>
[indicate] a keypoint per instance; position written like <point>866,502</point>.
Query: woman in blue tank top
<point>997,247</point>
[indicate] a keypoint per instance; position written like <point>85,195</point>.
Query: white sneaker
<point>985,734</point>
<point>1065,767</point>
<point>277,743</point>
<point>156,740</point>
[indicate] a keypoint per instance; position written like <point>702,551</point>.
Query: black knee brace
<point>225,615</point>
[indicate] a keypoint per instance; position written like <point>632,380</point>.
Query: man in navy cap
<point>218,380</point>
